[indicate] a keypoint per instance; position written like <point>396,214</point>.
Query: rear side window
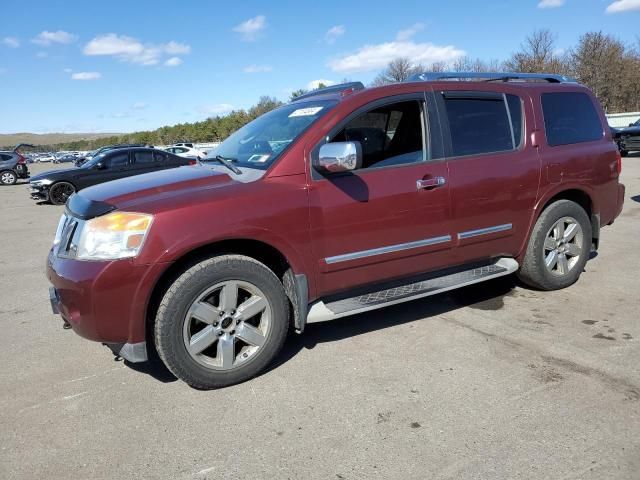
<point>119,159</point>
<point>480,124</point>
<point>570,118</point>
<point>160,156</point>
<point>143,156</point>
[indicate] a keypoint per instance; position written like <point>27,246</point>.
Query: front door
<point>390,218</point>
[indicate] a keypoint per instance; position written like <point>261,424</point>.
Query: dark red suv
<point>345,200</point>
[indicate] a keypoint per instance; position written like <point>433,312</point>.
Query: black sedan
<point>56,186</point>
<point>628,139</point>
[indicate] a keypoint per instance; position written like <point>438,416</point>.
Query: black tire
<point>172,315</point>
<point>624,153</point>
<point>8,177</point>
<point>59,192</point>
<point>533,270</point>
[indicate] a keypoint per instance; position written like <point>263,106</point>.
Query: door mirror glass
<point>339,157</point>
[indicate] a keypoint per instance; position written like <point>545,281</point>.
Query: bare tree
<point>538,53</point>
<point>397,70</point>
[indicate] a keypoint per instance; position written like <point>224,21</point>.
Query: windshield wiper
<point>226,161</point>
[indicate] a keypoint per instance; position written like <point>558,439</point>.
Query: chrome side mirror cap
<point>339,157</point>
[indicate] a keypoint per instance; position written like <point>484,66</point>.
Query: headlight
<point>113,236</point>
<point>41,182</point>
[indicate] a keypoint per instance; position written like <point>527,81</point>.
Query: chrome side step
<point>319,311</point>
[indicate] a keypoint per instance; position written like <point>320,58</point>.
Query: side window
<point>480,124</point>
<point>119,159</point>
<point>389,135</point>
<point>570,118</point>
<point>160,156</point>
<point>142,157</point>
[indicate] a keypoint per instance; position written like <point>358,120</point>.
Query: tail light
<point>192,162</point>
<point>21,159</point>
<point>619,161</point>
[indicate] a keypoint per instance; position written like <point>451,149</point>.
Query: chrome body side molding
<point>389,249</point>
<point>484,231</point>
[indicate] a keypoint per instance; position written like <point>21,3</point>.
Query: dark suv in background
<point>341,202</point>
<point>628,138</point>
<point>56,186</point>
<point>13,165</point>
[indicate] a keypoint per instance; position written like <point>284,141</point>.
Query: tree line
<point>603,63</point>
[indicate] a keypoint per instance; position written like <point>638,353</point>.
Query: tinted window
<point>389,135</point>
<point>515,110</point>
<point>143,156</point>
<point>478,125</point>
<point>119,159</point>
<point>160,156</point>
<point>570,118</point>
<point>4,157</point>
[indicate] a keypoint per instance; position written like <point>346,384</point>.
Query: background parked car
<point>628,139</point>
<point>13,165</point>
<point>56,186</point>
<point>186,152</point>
<point>45,158</point>
<point>65,158</point>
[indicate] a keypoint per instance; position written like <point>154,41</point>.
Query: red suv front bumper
<point>104,301</point>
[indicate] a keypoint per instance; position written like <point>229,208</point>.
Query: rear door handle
<point>433,182</point>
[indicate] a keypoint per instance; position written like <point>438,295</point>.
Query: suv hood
<point>154,191</point>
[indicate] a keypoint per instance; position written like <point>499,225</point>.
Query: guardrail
<point>619,120</point>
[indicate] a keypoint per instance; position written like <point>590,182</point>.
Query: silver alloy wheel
<point>7,178</point>
<point>563,246</point>
<point>227,325</point>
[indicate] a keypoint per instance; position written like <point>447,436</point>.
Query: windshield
<point>90,163</point>
<point>260,142</point>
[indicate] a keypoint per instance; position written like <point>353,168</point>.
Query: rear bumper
<point>104,301</point>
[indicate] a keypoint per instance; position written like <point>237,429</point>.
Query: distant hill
<point>12,139</point>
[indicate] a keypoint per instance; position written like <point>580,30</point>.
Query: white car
<point>186,152</point>
<point>45,158</point>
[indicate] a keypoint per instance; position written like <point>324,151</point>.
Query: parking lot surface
<point>491,381</point>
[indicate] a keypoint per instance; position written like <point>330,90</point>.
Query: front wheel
<point>60,192</point>
<point>558,248</point>
<point>8,177</point>
<point>222,322</point>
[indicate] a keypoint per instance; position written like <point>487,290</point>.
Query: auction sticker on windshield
<point>305,112</point>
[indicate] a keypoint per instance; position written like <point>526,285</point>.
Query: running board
<point>320,311</point>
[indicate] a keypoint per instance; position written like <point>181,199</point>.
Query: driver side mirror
<point>632,124</point>
<point>339,157</point>
<point>100,166</point>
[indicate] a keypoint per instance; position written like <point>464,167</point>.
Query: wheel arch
<point>261,251</point>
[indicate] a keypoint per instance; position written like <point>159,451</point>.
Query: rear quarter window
<point>570,117</point>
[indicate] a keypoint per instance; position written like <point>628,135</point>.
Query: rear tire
<point>222,322</point>
<point>558,248</point>
<point>8,177</point>
<point>624,153</point>
<point>60,192</point>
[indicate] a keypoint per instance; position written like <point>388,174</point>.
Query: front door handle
<point>433,182</point>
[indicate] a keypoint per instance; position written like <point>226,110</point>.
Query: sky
<point>122,66</point>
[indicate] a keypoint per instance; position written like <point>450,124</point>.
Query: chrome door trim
<point>389,249</point>
<point>485,231</point>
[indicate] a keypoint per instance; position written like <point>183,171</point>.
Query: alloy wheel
<point>226,326</point>
<point>563,246</point>
<point>60,193</point>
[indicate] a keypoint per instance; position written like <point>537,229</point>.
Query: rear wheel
<point>222,322</point>
<point>60,192</point>
<point>558,248</point>
<point>8,177</point>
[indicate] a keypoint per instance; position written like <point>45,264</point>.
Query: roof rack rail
<point>341,87</point>
<point>490,77</point>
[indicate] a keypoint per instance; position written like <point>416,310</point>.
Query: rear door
<point>382,221</point>
<point>494,171</point>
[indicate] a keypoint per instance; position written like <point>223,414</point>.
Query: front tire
<point>60,192</point>
<point>222,322</point>
<point>558,248</point>
<point>8,177</point>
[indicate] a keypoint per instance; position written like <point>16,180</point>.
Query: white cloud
<point>334,33</point>
<point>41,54</point>
<point>219,109</point>
<point>132,50</point>
<point>139,106</point>
<point>374,57</point>
<point>173,62</point>
<point>11,42</point>
<point>407,33</point>
<point>313,84</point>
<point>86,76</point>
<point>257,68</point>
<point>623,6</point>
<point>550,3</point>
<point>46,38</point>
<point>250,30</point>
